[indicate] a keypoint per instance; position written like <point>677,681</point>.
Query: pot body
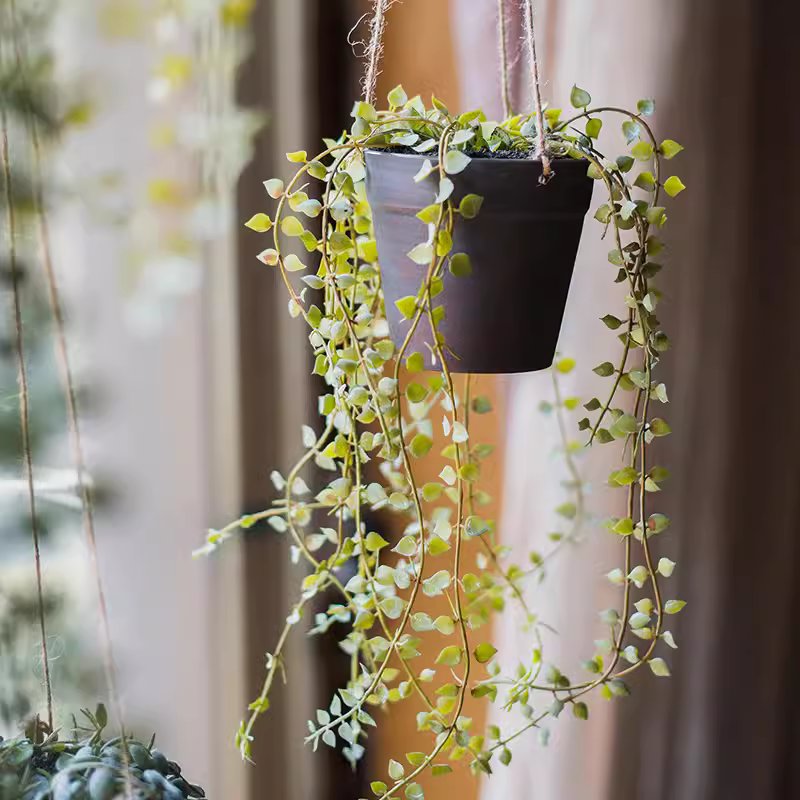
<point>506,316</point>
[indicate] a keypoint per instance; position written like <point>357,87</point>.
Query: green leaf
<point>594,172</point>
<point>421,254</point>
<point>657,523</point>
<point>470,205</point>
<point>673,606</point>
<point>567,510</point>
<point>311,208</point>
<point>665,567</point>
<point>437,546</point>
<point>645,181</point>
<point>612,322</point>
<point>625,163</point>
<point>580,710</point>
<point>579,98</point>
<point>455,161</point>
<point>297,157</point>
<point>484,652</point>
<point>446,187</point>
<point>616,258</point>
<point>407,546</point>
<point>674,186</point>
<point>431,491</point>
<point>448,475</point>
<point>426,169</point>
<point>669,640</point>
<point>268,256</point>
<point>396,770</point>
<point>274,187</point>
<point>669,148</point>
<point>397,97</point>
<point>375,542</point>
<point>659,667</point>
<point>623,527</point>
<point>462,137</point>
<point>364,110</point>
<point>658,427</point>
<point>646,107</point>
<point>293,264</point>
<point>416,393</point>
<point>638,620</point>
<point>378,787</point>
<point>429,214</point>
<point>565,365</point>
<point>475,526</point>
<point>420,445</point>
<point>316,169</point>
<point>260,223</point>
<point>291,226</point>
<point>603,213</point>
<point>593,127</point>
<point>631,130</point>
<point>436,584</point>
<point>481,405</point>
<point>450,656</point>
<point>642,151</point>
<point>392,607</point>
<point>604,370</point>
<point>407,306</point>
<point>415,362</point>
<point>444,625</point>
<point>626,476</point>
<point>460,265</point>
<point>627,423</point>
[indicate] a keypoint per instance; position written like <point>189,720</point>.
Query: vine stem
<point>24,407</point>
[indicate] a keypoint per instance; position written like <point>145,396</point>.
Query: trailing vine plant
<point>381,406</point>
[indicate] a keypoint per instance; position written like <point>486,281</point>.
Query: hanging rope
<point>502,51</point>
<point>73,419</point>
<point>24,407</point>
<point>375,49</point>
<point>530,38</point>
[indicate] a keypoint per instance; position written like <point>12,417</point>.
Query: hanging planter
<point>505,315</point>
<point>447,241</point>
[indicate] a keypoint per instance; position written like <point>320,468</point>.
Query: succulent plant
<point>41,766</point>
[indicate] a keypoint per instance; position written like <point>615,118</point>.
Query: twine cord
<point>530,39</point>
<point>24,406</point>
<point>502,52</point>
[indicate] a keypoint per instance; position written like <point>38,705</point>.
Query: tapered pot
<point>506,315</point>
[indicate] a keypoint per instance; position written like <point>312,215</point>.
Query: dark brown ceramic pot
<point>506,315</point>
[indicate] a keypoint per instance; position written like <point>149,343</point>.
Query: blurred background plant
<point>200,141</point>
<point>200,137</point>
<point>33,92</point>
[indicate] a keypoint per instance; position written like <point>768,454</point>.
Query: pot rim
<point>481,158</point>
